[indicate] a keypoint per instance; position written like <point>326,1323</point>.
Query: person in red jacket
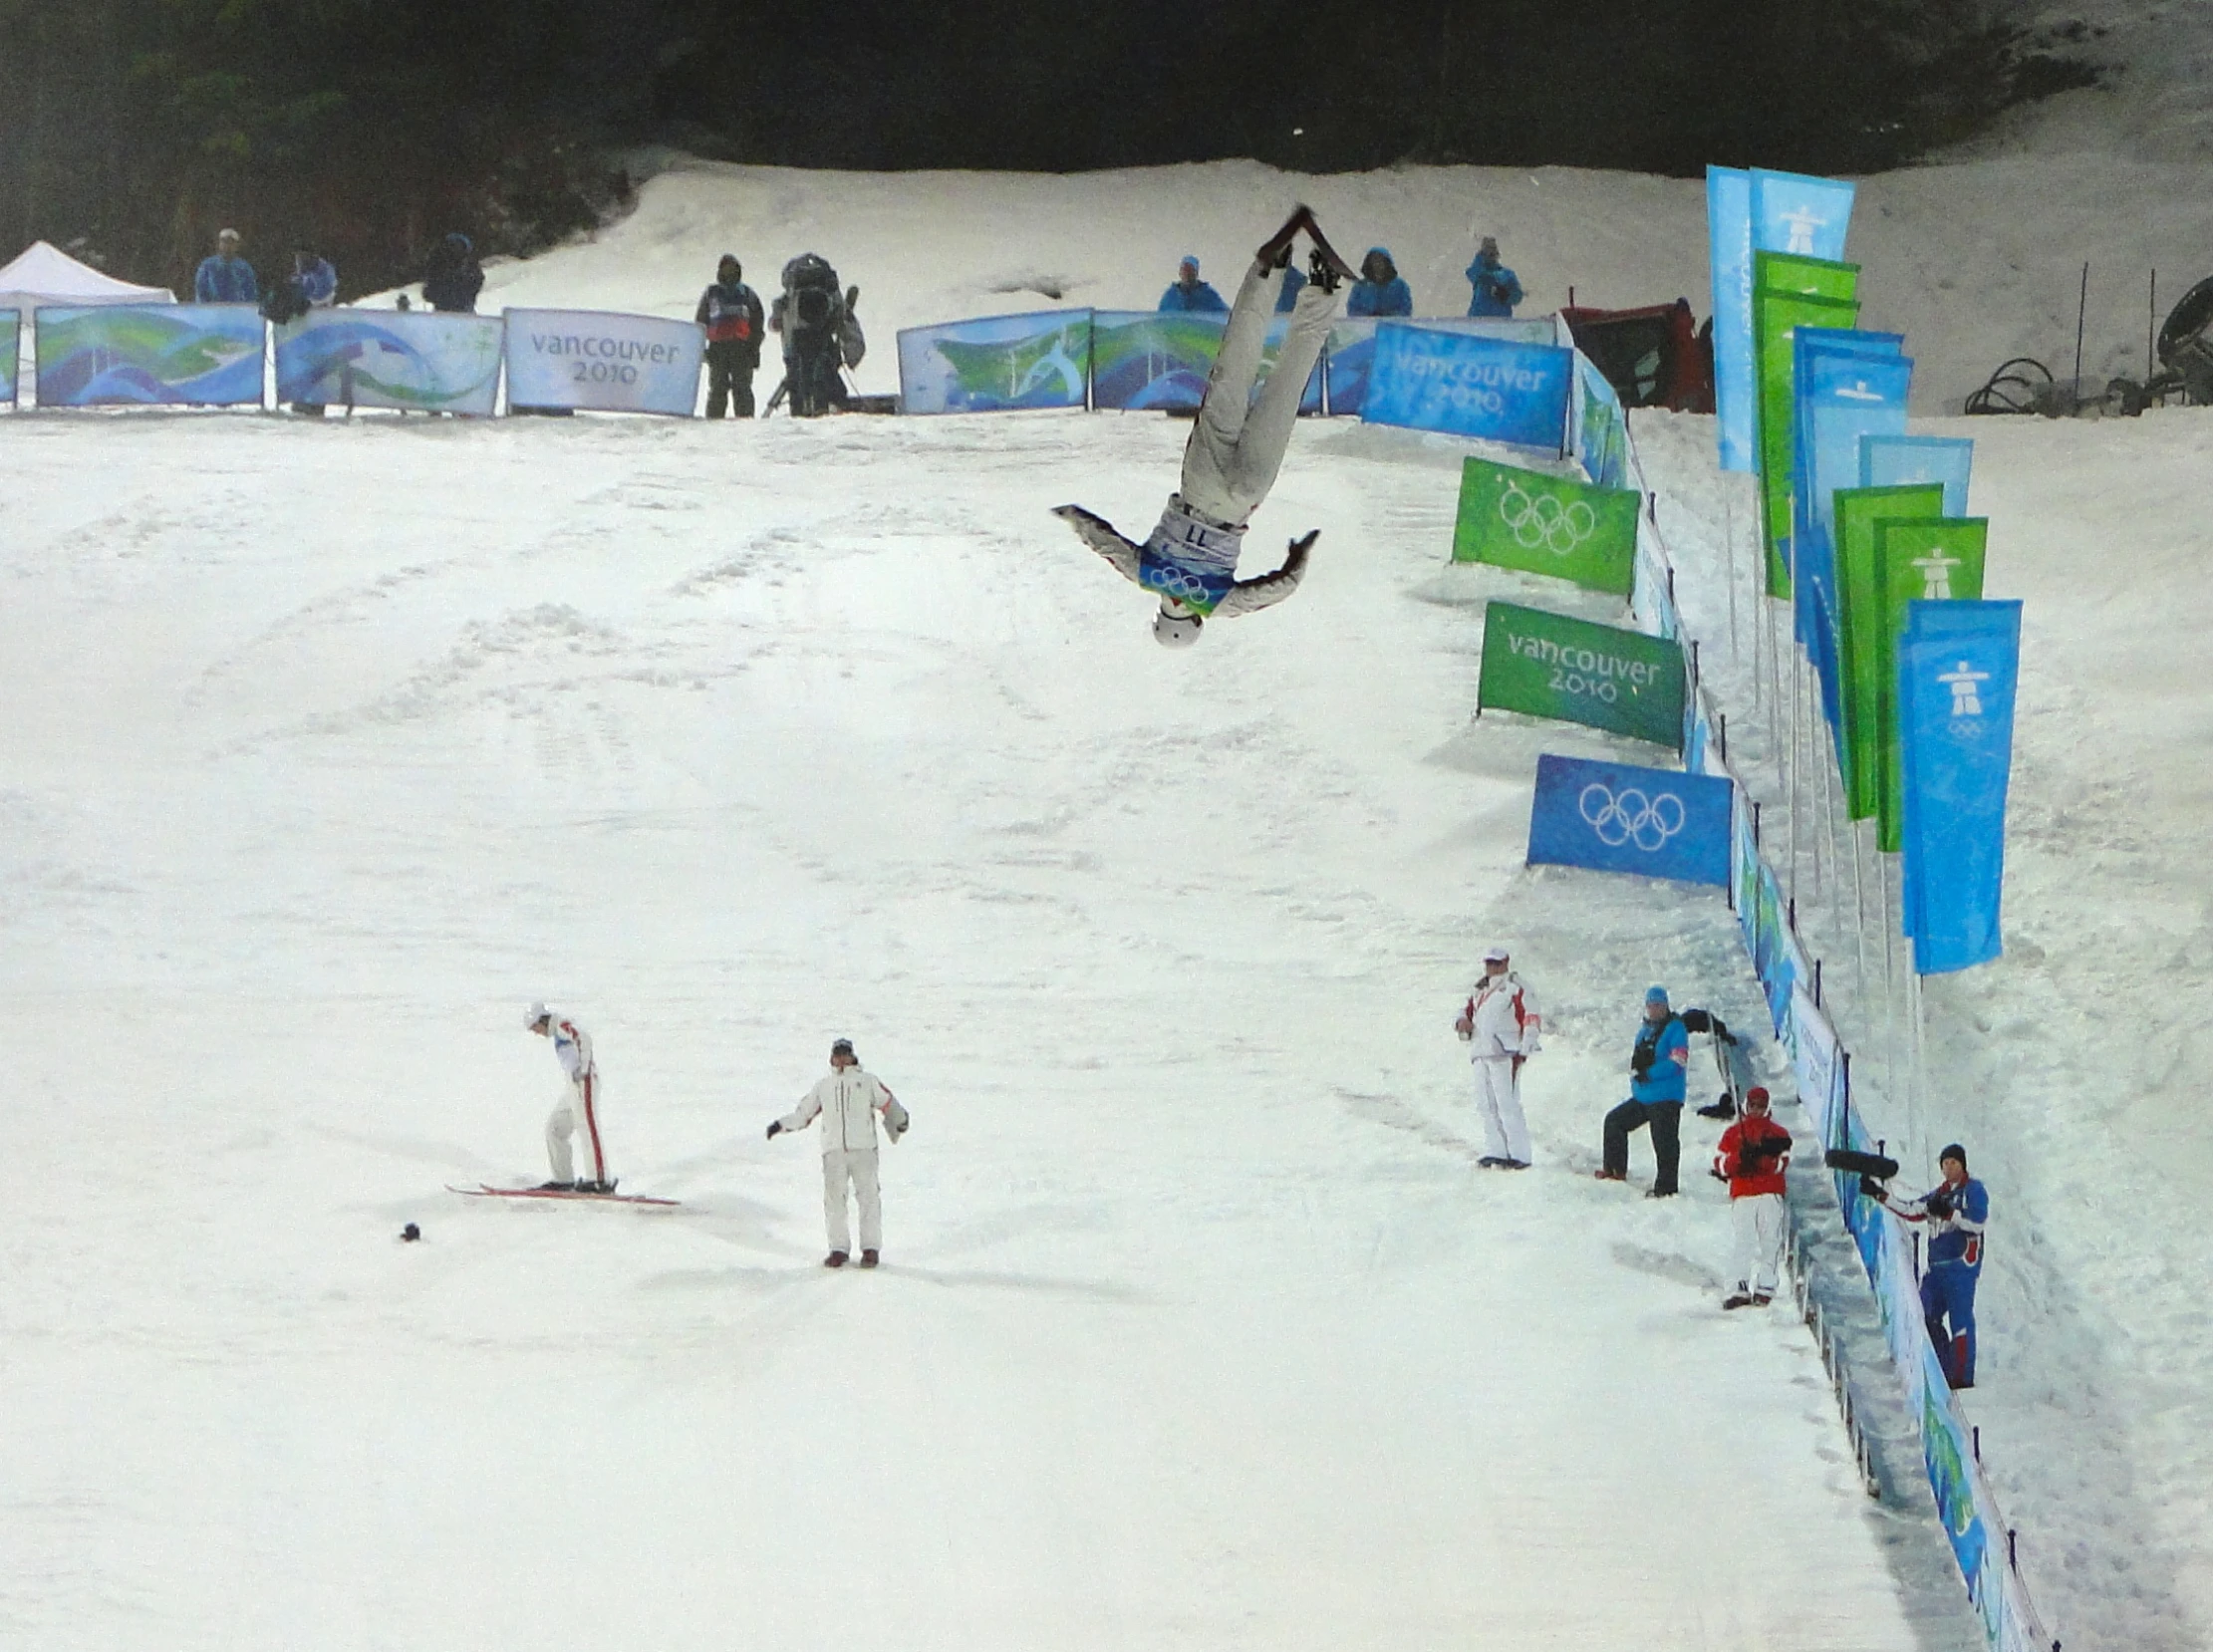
<point>1753,1155</point>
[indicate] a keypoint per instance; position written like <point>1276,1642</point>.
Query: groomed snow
<point>331,745</point>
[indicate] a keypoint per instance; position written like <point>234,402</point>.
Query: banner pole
<point>1889,980</point>
<point>1798,700</point>
<point>1729,573</point>
<point>1920,1072</point>
<point>1859,920</point>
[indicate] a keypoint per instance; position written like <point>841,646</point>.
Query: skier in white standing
<point>577,1112</point>
<point>1501,1026</point>
<point>847,1102</point>
<point>1235,447</point>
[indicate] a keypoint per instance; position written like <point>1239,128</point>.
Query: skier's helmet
<point>1176,631</point>
<point>536,1016</point>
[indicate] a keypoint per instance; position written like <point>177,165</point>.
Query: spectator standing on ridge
<point>453,278</point>
<point>1659,1066</point>
<point>223,277</point>
<point>1497,289</point>
<point>577,1113</point>
<point>1381,290</point>
<point>1187,292</point>
<point>1753,1155</point>
<point>312,284</point>
<point>847,1102</point>
<point>731,313</point>
<point>1956,1210</point>
<point>1501,1026</point>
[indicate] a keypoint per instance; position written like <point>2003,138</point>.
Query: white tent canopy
<point>44,274</point>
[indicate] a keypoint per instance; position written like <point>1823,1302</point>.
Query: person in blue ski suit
<point>223,277</point>
<point>1187,293</point>
<point>1236,448</point>
<point>1381,290</point>
<point>1956,1210</point>
<point>1659,1068</point>
<point>1497,289</point>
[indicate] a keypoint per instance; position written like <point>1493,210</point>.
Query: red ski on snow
<point>485,1189</point>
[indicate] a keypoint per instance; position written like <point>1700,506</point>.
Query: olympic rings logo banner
<point>1541,524</point>
<point>1618,817</point>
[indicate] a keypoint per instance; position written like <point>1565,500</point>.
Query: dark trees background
<point>135,128</point>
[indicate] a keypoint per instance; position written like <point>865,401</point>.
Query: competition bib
<point>1192,561</point>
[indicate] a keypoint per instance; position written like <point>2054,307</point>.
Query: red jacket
<point>1768,1166</point>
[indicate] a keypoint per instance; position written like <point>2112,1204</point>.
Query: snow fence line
<point>1790,978</point>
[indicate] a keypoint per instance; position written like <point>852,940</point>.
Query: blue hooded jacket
<point>1201,298</point>
<point>1389,297</point>
<point>1667,1078</point>
<point>221,280</point>
<point>1497,289</point>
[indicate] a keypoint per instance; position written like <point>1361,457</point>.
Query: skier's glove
<point>775,1129</point>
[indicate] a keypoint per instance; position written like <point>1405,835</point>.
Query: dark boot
<point>868,1259</point>
<point>835,1258</point>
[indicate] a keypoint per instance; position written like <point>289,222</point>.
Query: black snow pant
<point>816,386</point>
<point>730,377</point>
<point>1665,1118</point>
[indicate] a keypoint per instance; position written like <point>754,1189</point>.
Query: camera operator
<point>1753,1155</point>
<point>1658,1068</point>
<point>1955,1210</point>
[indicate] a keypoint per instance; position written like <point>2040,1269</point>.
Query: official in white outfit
<point>848,1102</point>
<point>1501,1026</point>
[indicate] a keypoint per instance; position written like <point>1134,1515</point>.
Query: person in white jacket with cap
<point>848,1102</point>
<point>1501,1027</point>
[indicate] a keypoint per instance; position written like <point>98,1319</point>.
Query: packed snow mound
<point>1974,262</point>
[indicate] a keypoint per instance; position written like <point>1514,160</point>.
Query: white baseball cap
<point>1497,955</point>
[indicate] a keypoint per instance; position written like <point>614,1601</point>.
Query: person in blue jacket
<point>1187,292</point>
<point>1293,284</point>
<point>1659,1067</point>
<point>317,280</point>
<point>223,277</point>
<point>1497,289</point>
<point>1955,1210</point>
<point>1381,290</point>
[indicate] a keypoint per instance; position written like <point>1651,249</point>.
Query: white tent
<point>45,274</point>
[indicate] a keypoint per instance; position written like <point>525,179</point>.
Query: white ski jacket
<point>1503,1020</point>
<point>847,1102</point>
<point>572,1047</point>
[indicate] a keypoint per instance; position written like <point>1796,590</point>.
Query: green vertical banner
<point>1575,670</point>
<point>1926,559</point>
<point>1776,313</point>
<point>1863,646</point>
<point>1514,518</point>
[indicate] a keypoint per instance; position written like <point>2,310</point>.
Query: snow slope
<point>333,746</point>
<point>1974,262</point>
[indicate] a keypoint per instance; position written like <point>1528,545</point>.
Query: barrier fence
<point>1791,976</point>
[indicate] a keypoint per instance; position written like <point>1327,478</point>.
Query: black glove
<point>1641,1059</point>
<point>775,1129</point>
<point>1939,1204</point>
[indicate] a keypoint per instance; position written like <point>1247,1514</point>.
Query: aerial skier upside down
<point>1236,448</point>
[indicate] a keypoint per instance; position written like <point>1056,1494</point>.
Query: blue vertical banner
<point>1902,461</point>
<point>1792,212</point>
<point>1849,384</point>
<point>1729,256</point>
<point>1959,671</point>
<point>1619,817</point>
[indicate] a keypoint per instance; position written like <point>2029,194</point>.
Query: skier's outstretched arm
<point>1250,596</point>
<point>808,1109</point>
<point>1099,535</point>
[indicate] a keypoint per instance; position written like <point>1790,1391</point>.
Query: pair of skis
<point>484,1189</point>
<point>1275,252</point>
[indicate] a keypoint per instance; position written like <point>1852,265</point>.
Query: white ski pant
<point>858,1166</point>
<point>1760,1222</point>
<point>1236,445</point>
<point>577,1114</point>
<point>1505,1133</point>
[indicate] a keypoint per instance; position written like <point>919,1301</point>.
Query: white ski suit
<point>577,1112</point>
<point>1503,1031</point>
<point>1235,447</point>
<point>847,1102</point>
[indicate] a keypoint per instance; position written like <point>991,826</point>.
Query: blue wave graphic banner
<point>1901,460</point>
<point>1959,671</point>
<point>10,322</point>
<point>1620,817</point>
<point>1468,384</point>
<point>149,355</point>
<point>1729,256</point>
<point>413,360</point>
<point>997,363</point>
<point>1158,359</point>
